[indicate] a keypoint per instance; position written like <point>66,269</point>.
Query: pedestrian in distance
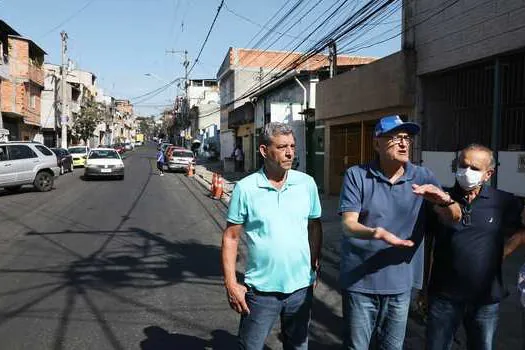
<point>382,209</point>
<point>160,162</point>
<point>238,156</point>
<point>279,210</point>
<point>466,275</point>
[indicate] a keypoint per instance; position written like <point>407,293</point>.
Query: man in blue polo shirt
<point>466,282</point>
<point>382,256</point>
<point>279,210</point>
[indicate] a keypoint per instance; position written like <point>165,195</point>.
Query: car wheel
<point>121,177</point>
<point>43,181</point>
<point>62,171</point>
<point>13,189</point>
<point>70,167</point>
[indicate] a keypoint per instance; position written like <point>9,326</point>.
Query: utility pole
<point>332,58</point>
<point>63,116</point>
<point>186,63</point>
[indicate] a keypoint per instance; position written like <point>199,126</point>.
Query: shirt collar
<point>408,175</point>
<point>262,180</point>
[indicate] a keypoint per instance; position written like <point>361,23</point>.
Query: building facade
<point>242,80</point>
<point>471,83</point>
<point>21,85</point>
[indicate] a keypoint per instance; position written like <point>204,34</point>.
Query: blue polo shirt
<point>373,266</point>
<point>468,255</point>
<point>276,227</point>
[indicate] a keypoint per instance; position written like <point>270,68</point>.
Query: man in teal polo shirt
<point>279,210</point>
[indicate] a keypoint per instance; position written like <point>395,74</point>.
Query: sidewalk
<point>328,315</point>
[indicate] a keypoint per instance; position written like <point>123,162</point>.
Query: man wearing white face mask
<point>465,282</point>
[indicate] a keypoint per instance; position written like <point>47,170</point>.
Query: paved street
<point>113,265</point>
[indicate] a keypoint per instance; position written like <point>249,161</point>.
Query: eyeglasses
<point>397,139</point>
<point>466,218</point>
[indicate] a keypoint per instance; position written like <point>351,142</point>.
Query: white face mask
<point>469,179</point>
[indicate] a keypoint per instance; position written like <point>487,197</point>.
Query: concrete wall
<point>208,115</point>
<point>47,115</point>
<point>380,85</point>
<point>449,34</point>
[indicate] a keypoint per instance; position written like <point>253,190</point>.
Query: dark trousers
<point>239,166</point>
<point>160,166</point>
<point>445,316</point>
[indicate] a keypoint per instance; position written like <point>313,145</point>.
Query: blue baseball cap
<point>393,123</point>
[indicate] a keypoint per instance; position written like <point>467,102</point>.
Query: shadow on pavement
<point>158,338</point>
<point>125,258</point>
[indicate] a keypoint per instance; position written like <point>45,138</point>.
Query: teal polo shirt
<point>276,226</point>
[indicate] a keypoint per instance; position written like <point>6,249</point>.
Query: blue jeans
<point>265,308</point>
<point>445,315</point>
<point>381,316</point>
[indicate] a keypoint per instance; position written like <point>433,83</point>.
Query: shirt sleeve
<point>512,216</point>
<point>237,209</point>
<point>351,193</point>
<point>315,203</point>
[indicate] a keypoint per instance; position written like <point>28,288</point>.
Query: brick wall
<point>19,58</point>
<point>280,60</point>
<point>468,30</point>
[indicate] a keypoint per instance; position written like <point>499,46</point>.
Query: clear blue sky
<point>122,40</point>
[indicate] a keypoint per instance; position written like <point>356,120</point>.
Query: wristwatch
<point>447,204</point>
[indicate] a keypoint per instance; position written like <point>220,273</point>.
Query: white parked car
<point>27,163</point>
<point>104,162</point>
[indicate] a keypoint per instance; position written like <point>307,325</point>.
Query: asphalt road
<point>111,264</point>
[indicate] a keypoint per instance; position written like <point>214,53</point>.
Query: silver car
<point>27,163</point>
<point>179,159</point>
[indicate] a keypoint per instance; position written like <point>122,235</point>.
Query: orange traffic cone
<point>213,184</point>
<point>190,170</point>
<point>219,189</point>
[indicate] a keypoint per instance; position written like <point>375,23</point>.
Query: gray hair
<point>478,147</point>
<point>274,129</point>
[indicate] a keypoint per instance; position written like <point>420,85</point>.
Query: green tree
<point>91,114</point>
<point>145,127</point>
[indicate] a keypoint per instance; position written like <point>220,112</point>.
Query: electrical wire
<point>67,19</point>
<point>438,12</point>
<point>367,12</point>
<point>236,14</point>
<point>207,37</point>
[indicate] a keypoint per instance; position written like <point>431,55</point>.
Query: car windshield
<point>103,154</point>
<point>76,150</point>
<point>184,154</point>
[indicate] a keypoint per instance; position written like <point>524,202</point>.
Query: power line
<point>291,43</point>
<point>353,23</point>
<point>68,18</point>
<point>439,11</point>
<point>207,37</point>
<point>236,14</point>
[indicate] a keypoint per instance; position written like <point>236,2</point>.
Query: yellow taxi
<point>79,154</point>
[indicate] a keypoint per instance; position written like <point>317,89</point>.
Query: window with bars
<point>459,106</point>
